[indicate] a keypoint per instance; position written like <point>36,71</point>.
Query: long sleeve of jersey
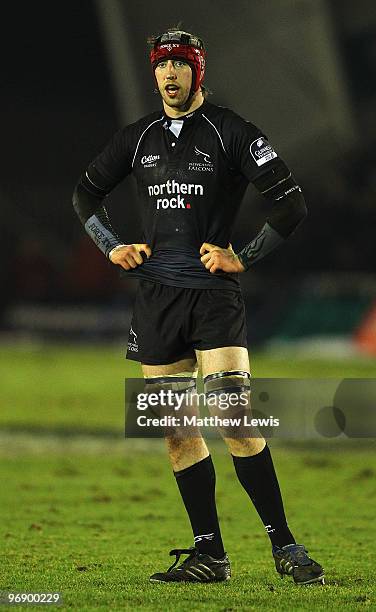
<point>256,159</point>
<point>102,175</point>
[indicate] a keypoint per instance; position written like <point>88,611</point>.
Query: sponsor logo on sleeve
<point>261,151</point>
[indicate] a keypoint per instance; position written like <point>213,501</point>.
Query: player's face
<point>174,78</point>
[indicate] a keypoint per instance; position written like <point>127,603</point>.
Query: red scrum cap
<point>181,45</point>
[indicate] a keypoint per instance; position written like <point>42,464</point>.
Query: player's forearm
<point>265,242</point>
<point>287,213</point>
<point>93,216</point>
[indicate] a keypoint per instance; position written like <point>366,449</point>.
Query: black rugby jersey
<point>190,188</point>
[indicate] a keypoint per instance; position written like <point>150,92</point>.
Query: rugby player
<point>192,163</point>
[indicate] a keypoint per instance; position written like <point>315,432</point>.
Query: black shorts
<point>168,323</point>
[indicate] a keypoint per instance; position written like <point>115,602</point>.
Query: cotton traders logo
<point>149,161</point>
<point>132,342</point>
<point>262,151</point>
<point>201,166</point>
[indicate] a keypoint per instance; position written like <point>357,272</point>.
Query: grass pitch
<point>92,516</point>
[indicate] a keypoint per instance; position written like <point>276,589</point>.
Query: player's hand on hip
<point>215,258</point>
<point>129,256</point>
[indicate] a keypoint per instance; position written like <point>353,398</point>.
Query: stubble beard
<point>181,105</point>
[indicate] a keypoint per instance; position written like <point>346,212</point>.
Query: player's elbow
<point>85,204</point>
<point>288,213</point>
<point>78,205</point>
<point>299,210</point>
<point>75,200</point>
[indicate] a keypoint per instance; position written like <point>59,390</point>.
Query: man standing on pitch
<point>192,164</point>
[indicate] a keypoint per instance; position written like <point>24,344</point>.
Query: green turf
<point>94,528</point>
<point>93,517</point>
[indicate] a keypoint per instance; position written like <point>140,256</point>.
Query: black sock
<point>197,488</point>
<point>258,477</point>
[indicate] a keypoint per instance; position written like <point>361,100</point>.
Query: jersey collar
<point>187,118</point>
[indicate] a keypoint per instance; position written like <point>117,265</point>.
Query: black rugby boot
<point>197,567</point>
<point>292,560</point>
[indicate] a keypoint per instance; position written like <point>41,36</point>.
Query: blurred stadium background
<point>305,72</point>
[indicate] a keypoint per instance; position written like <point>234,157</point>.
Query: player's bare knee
<point>245,447</point>
<point>184,452</point>
<point>181,445</point>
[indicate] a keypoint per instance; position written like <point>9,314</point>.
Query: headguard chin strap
<point>181,45</point>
